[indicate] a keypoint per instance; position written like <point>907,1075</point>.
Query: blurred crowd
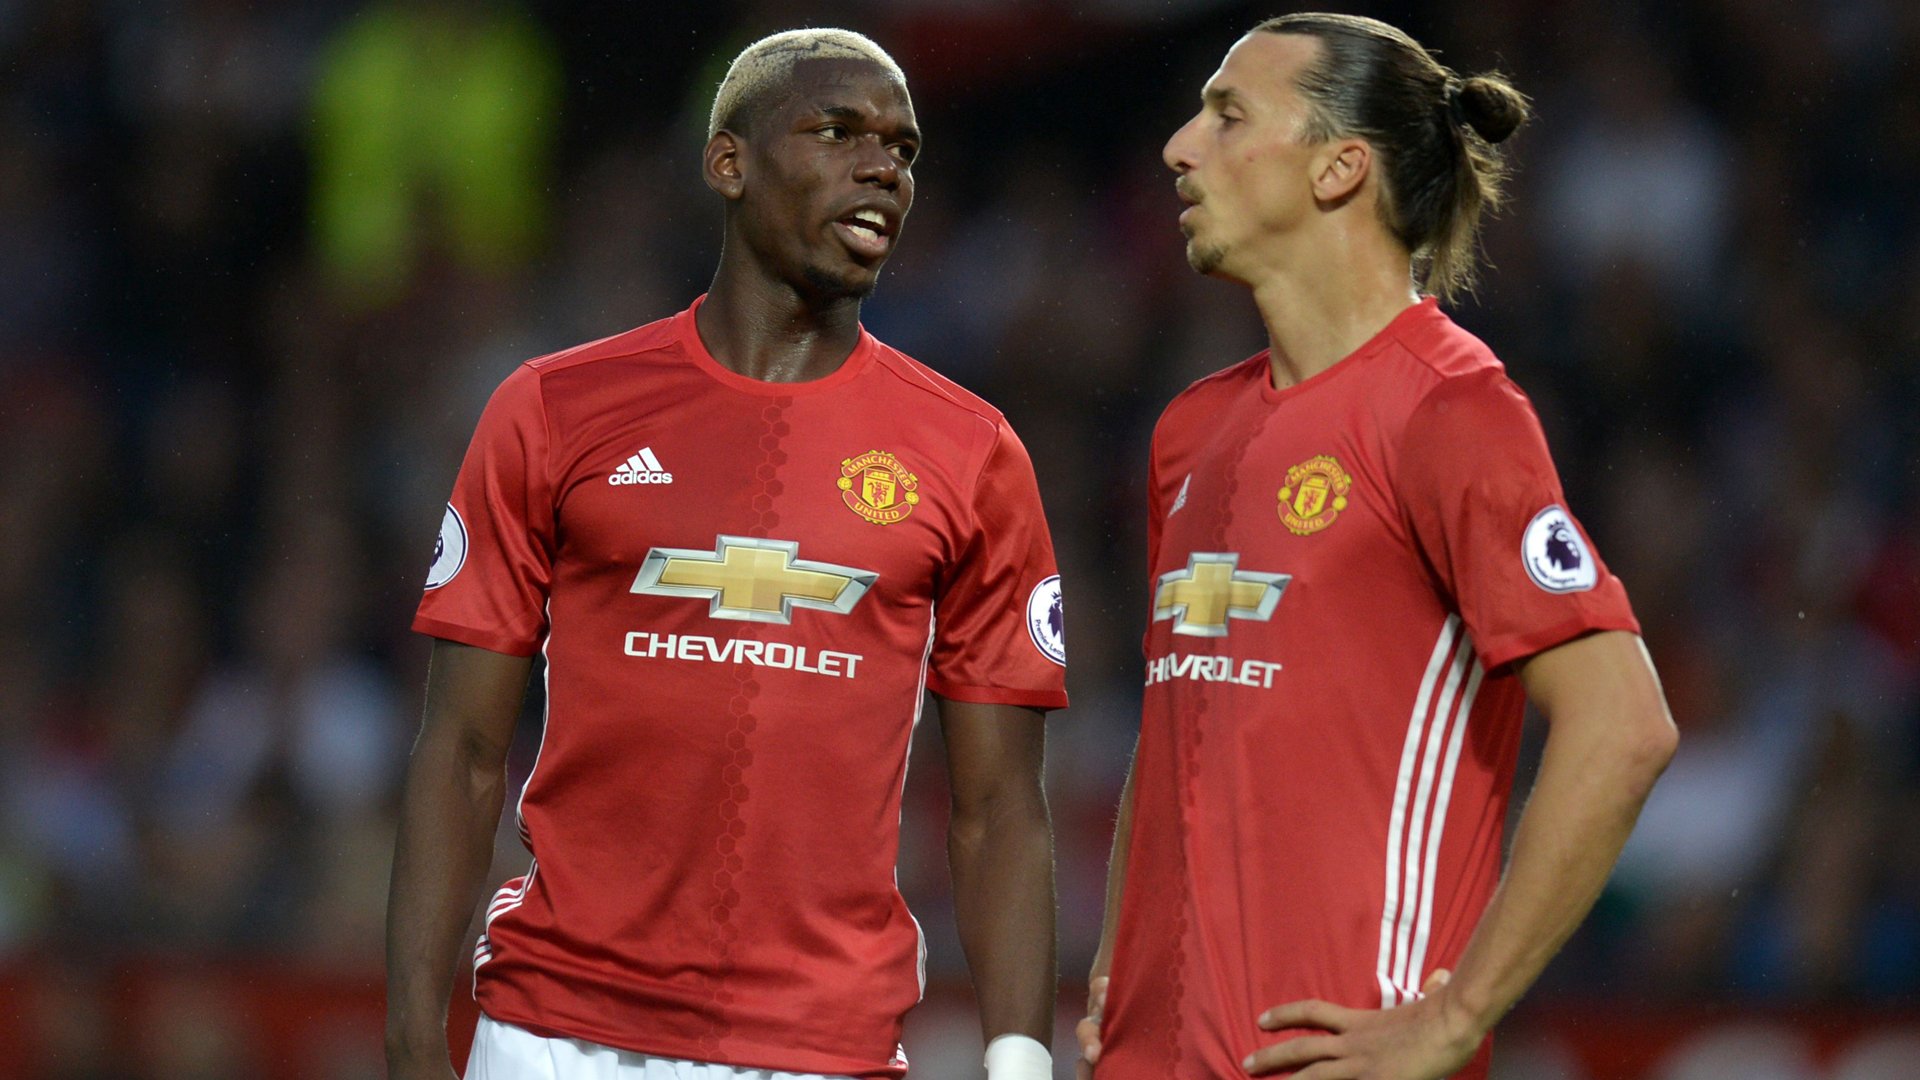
<point>261,264</point>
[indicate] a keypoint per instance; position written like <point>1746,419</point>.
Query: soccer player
<point>745,539</point>
<point>1362,566</point>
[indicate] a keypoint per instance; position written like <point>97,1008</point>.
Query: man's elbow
<point>983,822</point>
<point>1647,744</point>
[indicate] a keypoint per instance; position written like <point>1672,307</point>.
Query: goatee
<point>826,286</point>
<point>1204,258</point>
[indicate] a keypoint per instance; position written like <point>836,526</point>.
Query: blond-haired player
<point>746,539</point>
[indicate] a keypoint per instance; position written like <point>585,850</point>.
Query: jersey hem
<point>468,635</point>
<point>778,1060</point>
<point>1540,641</point>
<point>999,695</point>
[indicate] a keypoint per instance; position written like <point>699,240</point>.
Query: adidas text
<point>641,468</point>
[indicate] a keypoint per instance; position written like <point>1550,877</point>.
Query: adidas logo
<point>1180,500</point>
<point>641,468</point>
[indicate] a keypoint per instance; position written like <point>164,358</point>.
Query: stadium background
<point>260,265</point>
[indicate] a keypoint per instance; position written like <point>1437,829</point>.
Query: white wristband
<point>1018,1057</point>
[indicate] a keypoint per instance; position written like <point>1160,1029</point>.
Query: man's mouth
<point>1191,198</point>
<point>866,232</point>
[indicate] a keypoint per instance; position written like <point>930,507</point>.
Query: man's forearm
<point>449,810</point>
<point>1590,788</point>
<point>1003,899</point>
<point>1116,876</point>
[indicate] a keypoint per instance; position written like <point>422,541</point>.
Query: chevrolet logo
<point>752,580</point>
<point>1201,598</point>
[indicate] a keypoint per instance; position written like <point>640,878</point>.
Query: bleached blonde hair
<point>766,64</point>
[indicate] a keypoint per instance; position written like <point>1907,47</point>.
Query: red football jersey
<point>1343,572</point>
<point>741,589</point>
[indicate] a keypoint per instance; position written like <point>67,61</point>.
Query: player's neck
<point>772,332</point>
<point>1318,311</point>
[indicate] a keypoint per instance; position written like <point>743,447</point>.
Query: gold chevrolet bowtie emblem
<point>752,580</point>
<point>1201,598</point>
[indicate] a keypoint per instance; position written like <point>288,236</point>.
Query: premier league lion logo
<point>1047,620</point>
<point>449,549</point>
<point>1563,548</point>
<point>1554,554</point>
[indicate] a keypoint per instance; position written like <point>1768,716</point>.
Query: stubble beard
<point>1205,258</point>
<point>828,286</point>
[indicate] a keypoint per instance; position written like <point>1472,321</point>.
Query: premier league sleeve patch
<point>1046,620</point>
<point>449,551</point>
<point>1556,557</point>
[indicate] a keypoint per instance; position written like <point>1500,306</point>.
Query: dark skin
<point>785,303</point>
<point>455,787</point>
<point>784,307</point>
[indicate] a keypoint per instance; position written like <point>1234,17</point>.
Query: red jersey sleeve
<point>999,635</point>
<point>494,559</point>
<point>1481,494</point>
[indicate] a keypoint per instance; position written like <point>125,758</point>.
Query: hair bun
<point>1492,107</point>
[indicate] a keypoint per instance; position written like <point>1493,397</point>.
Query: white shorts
<point>504,1052</point>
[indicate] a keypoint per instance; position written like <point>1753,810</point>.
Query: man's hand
<point>1422,1040</point>
<point>1088,1029</point>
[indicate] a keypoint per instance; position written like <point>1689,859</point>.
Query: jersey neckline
<point>688,331</point>
<point>1397,327</point>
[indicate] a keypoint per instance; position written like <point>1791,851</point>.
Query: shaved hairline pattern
<point>767,63</point>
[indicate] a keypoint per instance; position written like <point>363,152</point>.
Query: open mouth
<point>867,232</point>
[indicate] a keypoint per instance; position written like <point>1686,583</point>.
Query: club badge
<point>1315,493</point>
<point>877,487</point>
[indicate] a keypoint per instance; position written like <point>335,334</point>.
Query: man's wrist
<point>1466,1020</point>
<point>1018,1057</point>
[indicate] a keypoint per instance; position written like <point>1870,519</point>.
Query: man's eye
<point>1228,119</point>
<point>834,131</point>
<point>904,152</point>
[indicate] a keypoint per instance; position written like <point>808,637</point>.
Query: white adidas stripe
<point>652,463</point>
<point>510,896</point>
<point>1417,822</point>
<point>1397,826</point>
<point>1424,923</point>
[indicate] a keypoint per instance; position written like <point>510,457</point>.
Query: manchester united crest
<point>1315,493</point>
<point>877,487</point>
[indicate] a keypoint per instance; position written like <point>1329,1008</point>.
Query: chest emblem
<point>1315,493</point>
<point>1211,590</point>
<point>752,580</point>
<point>877,487</point>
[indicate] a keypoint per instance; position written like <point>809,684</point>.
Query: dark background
<point>260,265</point>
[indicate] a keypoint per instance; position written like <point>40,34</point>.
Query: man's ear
<point>723,165</point>
<point>1340,169</point>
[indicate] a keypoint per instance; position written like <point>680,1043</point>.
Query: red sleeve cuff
<point>1519,647</point>
<point>491,640</point>
<point>998,695</point>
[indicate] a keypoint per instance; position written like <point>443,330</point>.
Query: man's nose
<point>1178,151</point>
<point>876,164</point>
